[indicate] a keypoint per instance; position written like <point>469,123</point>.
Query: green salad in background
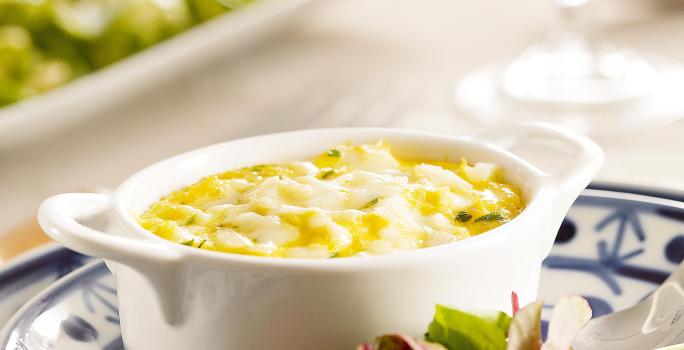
<point>46,43</point>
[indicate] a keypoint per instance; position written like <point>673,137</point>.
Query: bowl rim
<point>537,195</point>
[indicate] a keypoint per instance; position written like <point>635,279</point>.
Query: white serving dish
<point>94,93</point>
<point>177,297</point>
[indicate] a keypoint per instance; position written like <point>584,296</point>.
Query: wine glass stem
<point>571,18</point>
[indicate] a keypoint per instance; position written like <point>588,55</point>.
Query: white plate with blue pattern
<point>615,247</point>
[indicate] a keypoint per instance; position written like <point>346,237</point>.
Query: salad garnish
<point>398,341</point>
<point>453,329</point>
<point>493,216</point>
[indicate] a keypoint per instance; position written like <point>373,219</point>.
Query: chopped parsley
<point>463,216</point>
<point>493,216</point>
<point>189,243</point>
<point>191,220</point>
<point>334,153</point>
<point>258,168</point>
<point>371,203</point>
<point>201,243</point>
<point>328,174</point>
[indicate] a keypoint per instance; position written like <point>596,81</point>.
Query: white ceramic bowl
<point>176,297</point>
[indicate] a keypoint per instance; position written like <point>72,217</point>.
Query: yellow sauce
<point>351,200</point>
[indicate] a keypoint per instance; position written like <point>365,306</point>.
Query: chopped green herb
<point>463,216</point>
<point>189,243</point>
<point>334,153</point>
<point>259,167</point>
<point>371,203</point>
<point>328,174</point>
<point>201,243</point>
<point>191,220</point>
<point>335,255</point>
<point>493,216</point>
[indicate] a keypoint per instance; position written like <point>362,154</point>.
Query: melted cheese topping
<point>351,200</point>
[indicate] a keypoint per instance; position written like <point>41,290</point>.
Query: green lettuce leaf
<point>458,330</point>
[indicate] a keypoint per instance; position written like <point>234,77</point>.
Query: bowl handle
<point>566,183</point>
<point>58,217</point>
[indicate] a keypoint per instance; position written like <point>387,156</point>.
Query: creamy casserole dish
<point>179,297</point>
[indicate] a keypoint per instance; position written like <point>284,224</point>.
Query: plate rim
<point>29,258</point>
<point>633,197</point>
<point>53,289</point>
<point>646,190</point>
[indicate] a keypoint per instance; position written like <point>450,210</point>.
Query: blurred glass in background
<point>46,43</point>
<point>576,78</point>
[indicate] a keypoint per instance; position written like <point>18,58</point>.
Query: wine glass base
<point>480,96</point>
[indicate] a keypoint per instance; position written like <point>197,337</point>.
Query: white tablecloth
<point>346,63</point>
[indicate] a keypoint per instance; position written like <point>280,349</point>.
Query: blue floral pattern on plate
<point>614,248</point>
<point>77,312</point>
<point>31,273</point>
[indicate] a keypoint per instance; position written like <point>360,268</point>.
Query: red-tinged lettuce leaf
<point>569,316</point>
<point>458,330</point>
<point>525,330</point>
<point>398,341</point>
<point>515,304</point>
